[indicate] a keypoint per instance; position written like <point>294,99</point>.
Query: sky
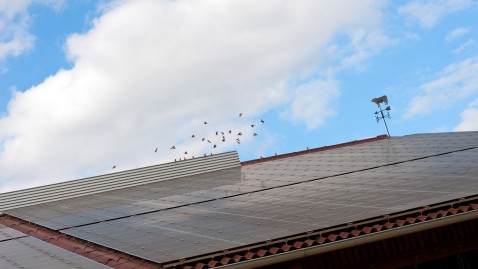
<point>87,85</point>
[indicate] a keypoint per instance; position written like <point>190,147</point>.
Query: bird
<point>156,150</point>
<point>239,133</point>
<point>254,134</point>
<point>203,139</point>
<point>252,125</point>
<point>174,160</point>
<point>214,146</point>
<point>307,148</point>
<point>222,133</point>
<point>205,122</point>
<point>204,154</point>
<point>240,114</point>
<point>193,136</point>
<point>186,152</point>
<point>173,147</point>
<point>217,132</point>
<point>238,142</point>
<point>223,139</point>
<point>208,141</point>
<point>114,166</point>
<point>262,120</point>
<point>275,154</point>
<point>230,131</point>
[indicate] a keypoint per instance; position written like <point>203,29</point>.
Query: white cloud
<point>469,118</point>
<point>467,46</point>
<point>150,72</point>
<point>428,12</point>
<point>455,82</point>
<point>15,38</point>
<point>456,33</point>
<point>311,102</point>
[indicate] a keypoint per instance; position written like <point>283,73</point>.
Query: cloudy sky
<point>87,85</point>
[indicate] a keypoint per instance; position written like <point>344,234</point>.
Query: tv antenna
<point>379,115</point>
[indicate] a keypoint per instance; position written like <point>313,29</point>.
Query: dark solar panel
<point>224,209</point>
<point>240,220</point>
<point>7,233</point>
<point>30,252</point>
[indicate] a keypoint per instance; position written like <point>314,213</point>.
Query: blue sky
<point>86,85</point>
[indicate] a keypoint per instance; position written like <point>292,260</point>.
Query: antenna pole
<point>384,121</point>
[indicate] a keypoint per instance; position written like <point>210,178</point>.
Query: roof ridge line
<point>324,148</point>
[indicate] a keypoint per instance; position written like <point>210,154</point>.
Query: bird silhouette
<point>156,150</point>
<point>214,146</point>
<point>203,139</point>
<point>193,136</point>
<point>262,120</point>
<point>205,122</point>
<point>230,131</point>
<point>240,114</point>
<point>204,154</point>
<point>254,134</point>
<point>223,139</point>
<point>208,141</point>
<point>239,133</point>
<point>114,166</point>
<point>217,132</point>
<point>222,133</point>
<point>252,125</point>
<point>173,147</point>
<point>185,152</point>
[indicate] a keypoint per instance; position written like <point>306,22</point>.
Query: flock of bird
<point>214,141</point>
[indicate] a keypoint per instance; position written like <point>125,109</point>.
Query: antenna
<point>379,115</point>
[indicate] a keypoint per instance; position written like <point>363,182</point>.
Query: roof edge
<point>324,148</point>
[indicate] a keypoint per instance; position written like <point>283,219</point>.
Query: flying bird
<point>185,152</point>
<point>217,132</point>
<point>262,120</point>
<point>156,150</point>
<point>252,125</point>
<point>239,133</point>
<point>214,146</point>
<point>222,133</point>
<point>208,141</point>
<point>230,131</point>
<point>205,122</point>
<point>254,134</point>
<point>240,114</point>
<point>114,166</point>
<point>173,147</point>
<point>193,136</point>
<point>223,139</point>
<point>203,139</point>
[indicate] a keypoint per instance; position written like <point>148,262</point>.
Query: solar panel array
<point>18,250</point>
<point>166,221</point>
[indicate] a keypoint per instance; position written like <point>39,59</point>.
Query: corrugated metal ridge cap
<point>467,208</point>
<point>119,180</point>
<point>313,150</point>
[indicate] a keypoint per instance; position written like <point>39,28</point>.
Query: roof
<point>304,200</point>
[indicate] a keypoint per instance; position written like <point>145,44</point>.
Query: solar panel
<point>234,221</point>
<point>30,252</point>
<point>7,233</point>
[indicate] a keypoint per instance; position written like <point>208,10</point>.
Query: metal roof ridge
<point>313,150</point>
<point>118,180</point>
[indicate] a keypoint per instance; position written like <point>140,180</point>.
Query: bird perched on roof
<point>262,120</point>
<point>173,147</point>
<point>223,139</point>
